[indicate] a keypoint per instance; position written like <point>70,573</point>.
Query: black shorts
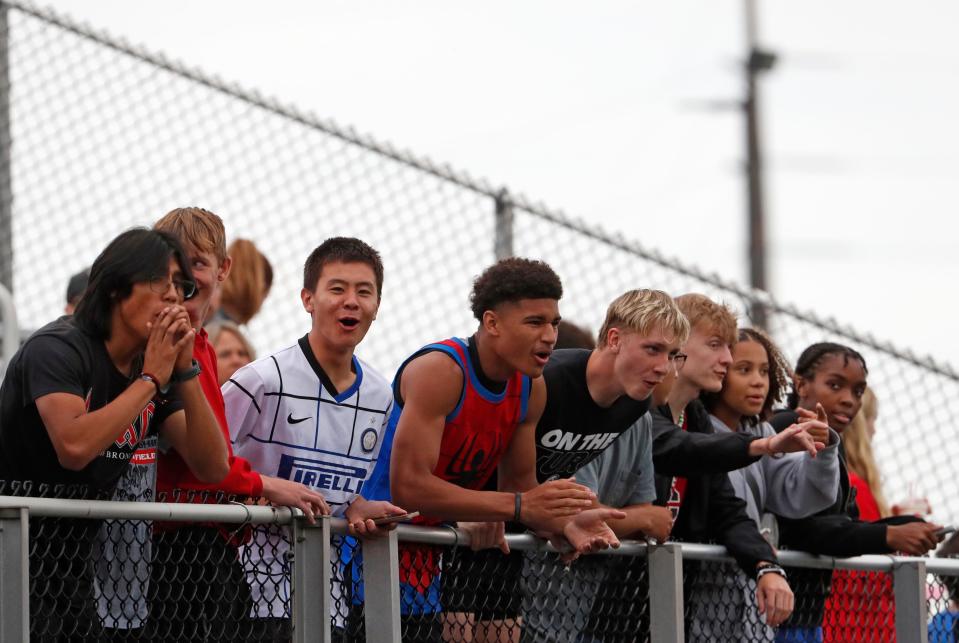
<point>485,583</point>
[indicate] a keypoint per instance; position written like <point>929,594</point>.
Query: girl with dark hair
<point>85,392</point>
<point>834,376</point>
<point>794,484</point>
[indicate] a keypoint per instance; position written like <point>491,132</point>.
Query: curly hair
<point>511,280</point>
<point>778,376</point>
<point>811,359</point>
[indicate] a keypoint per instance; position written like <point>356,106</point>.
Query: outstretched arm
<point>431,386</point>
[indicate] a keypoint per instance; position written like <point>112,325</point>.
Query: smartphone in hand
<point>945,531</point>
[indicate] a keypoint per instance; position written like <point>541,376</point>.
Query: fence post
<point>14,575</point>
<point>909,581</point>
<point>6,187</point>
<point>311,581</point>
<point>665,593</point>
<point>503,233</point>
<point>381,580</point>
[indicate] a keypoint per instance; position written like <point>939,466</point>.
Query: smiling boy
<point>314,412</point>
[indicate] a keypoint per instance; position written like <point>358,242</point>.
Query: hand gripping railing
<point>312,568</point>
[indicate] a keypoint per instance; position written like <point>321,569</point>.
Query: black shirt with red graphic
<point>61,358</point>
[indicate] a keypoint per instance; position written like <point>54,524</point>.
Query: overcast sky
<point>621,113</point>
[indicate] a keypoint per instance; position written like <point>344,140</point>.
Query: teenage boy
<point>705,507</point>
<point>197,580</point>
<point>698,459</point>
<point>593,398</point>
<point>467,407</point>
<point>84,392</point>
<point>315,413</point>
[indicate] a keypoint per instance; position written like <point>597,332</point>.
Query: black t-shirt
<point>61,358</point>
<point>574,429</point>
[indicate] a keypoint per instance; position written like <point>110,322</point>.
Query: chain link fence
<point>97,135</point>
<point>95,573</point>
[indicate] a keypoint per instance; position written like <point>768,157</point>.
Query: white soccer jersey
<point>285,418</point>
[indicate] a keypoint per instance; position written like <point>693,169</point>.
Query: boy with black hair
<point>315,413</point>
<point>85,393</point>
<point>468,407</point>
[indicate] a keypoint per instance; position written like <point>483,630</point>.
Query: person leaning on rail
<point>834,377</point>
<point>84,392</point>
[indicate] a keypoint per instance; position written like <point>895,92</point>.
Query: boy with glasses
<point>693,463</point>
<point>85,393</point>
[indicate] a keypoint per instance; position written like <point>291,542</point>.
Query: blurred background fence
<point>97,135</point>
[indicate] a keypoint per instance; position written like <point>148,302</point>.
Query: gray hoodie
<point>794,485</point>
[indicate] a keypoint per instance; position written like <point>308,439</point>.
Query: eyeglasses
<point>184,287</point>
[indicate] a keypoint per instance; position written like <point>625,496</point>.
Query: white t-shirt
<point>289,422</point>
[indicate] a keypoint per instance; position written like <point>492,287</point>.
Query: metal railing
<point>104,134</point>
<point>9,330</point>
<point>674,572</point>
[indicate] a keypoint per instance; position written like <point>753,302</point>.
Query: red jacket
<point>862,605</point>
<point>172,471</point>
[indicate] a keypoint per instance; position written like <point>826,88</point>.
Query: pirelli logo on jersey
<point>319,474</point>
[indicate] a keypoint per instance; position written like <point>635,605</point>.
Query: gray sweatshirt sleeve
<point>798,485</point>
<point>623,474</point>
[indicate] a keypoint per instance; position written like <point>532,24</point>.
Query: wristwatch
<point>767,567</point>
<point>150,377</point>
<point>188,374</point>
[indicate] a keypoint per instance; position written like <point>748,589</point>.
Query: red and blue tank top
<point>477,431</point>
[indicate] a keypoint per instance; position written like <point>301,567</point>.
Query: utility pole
<point>758,61</point>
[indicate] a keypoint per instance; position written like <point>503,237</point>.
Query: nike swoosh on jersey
<point>293,420</point>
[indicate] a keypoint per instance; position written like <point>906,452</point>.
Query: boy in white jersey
<point>314,413</point>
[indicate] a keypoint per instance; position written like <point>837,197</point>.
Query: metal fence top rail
<point>448,536</point>
<point>173,511</point>
<point>464,180</point>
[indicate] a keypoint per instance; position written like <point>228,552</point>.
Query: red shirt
<point>868,507</point>
<point>677,489</point>
<point>861,605</point>
<point>173,472</point>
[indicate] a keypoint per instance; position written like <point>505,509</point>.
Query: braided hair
<point>811,359</point>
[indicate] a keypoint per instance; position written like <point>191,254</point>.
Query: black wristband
<point>188,374</point>
<point>518,507</point>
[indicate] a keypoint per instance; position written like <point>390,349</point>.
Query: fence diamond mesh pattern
<point>942,605</point>
<point>106,136</point>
